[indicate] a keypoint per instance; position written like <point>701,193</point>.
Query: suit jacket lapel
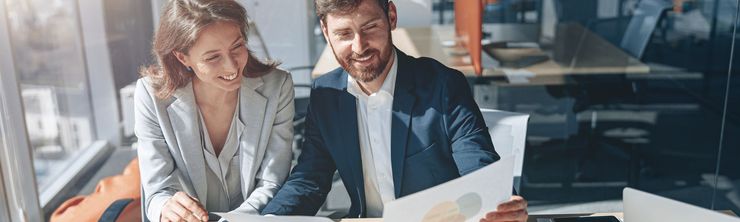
<point>183,115</point>
<point>253,106</point>
<point>350,139</point>
<point>403,104</point>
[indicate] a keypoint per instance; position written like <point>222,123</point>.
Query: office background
<point>671,129</point>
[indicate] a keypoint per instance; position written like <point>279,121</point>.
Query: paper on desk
<point>239,217</point>
<point>467,198</point>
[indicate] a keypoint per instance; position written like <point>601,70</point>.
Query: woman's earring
<point>189,69</point>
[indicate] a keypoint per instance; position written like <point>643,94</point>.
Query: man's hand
<point>182,207</point>
<point>513,210</point>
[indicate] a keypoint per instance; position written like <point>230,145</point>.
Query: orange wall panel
<point>468,28</point>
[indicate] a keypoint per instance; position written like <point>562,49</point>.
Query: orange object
<point>468,28</point>
<point>108,190</point>
<point>678,6</point>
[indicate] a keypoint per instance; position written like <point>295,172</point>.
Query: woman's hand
<point>182,207</point>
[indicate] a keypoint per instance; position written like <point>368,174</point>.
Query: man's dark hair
<point>324,7</point>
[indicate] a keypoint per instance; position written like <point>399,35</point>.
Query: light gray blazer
<point>170,153</point>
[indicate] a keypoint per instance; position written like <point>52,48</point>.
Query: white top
<point>374,128</point>
<point>223,173</point>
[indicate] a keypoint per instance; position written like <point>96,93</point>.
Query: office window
<point>50,66</point>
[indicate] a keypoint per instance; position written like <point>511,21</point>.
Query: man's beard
<point>367,73</point>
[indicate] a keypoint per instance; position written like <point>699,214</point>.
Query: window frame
<point>4,211</point>
<point>18,203</point>
<point>16,159</point>
<point>102,88</point>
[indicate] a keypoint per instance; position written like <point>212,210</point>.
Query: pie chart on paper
<point>465,207</point>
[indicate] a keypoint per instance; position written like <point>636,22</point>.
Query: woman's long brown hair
<point>180,24</point>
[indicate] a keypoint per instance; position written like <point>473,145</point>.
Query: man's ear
<point>184,59</point>
<point>392,15</point>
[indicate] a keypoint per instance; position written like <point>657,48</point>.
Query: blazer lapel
<point>183,115</point>
<point>253,106</point>
<point>350,140</point>
<point>403,104</point>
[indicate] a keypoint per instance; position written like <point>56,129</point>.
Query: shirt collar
<point>389,84</point>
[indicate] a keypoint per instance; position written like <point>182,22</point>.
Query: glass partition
<point>727,192</point>
<point>621,93</point>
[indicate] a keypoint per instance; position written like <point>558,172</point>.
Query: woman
<point>214,124</point>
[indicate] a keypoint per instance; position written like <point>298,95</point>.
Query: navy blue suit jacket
<point>437,134</point>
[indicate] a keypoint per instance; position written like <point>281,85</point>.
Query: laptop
<point>640,206</point>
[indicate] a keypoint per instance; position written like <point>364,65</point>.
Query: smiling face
<point>218,56</point>
<point>361,39</point>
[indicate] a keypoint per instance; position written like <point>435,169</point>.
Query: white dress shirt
<point>223,173</point>
<point>374,128</point>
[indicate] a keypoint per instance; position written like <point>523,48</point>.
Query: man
<point>390,124</point>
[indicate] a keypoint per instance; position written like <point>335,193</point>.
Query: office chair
<point>635,36</point>
<point>601,102</point>
<point>635,41</point>
<point>623,133</point>
<point>113,212</point>
<point>643,23</point>
<point>580,11</point>
<point>551,124</point>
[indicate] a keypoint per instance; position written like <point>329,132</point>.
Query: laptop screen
<point>640,206</point>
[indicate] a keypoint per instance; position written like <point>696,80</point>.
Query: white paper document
<point>467,198</point>
<point>508,131</point>
<point>239,217</point>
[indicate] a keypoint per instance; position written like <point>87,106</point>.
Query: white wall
<point>414,13</point>
<point>287,27</point>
